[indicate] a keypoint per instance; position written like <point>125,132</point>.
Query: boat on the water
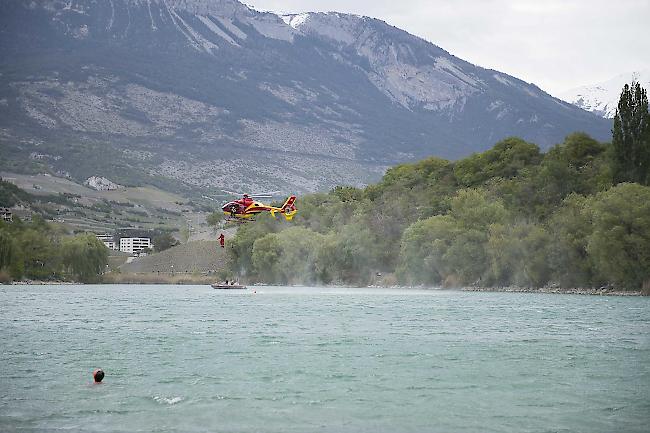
<point>227,286</point>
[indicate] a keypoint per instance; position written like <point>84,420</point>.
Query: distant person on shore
<point>98,375</point>
<point>222,240</point>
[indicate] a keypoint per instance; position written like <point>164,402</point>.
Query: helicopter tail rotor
<point>289,208</point>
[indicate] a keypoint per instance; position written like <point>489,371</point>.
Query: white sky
<point>556,44</point>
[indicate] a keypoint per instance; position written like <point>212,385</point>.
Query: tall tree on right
<point>631,136</point>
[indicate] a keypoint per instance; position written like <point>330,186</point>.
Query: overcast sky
<point>556,44</point>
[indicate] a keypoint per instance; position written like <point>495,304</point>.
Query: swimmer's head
<point>98,375</point>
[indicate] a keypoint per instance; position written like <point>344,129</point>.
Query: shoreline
<point>42,283</point>
<point>557,291</point>
<point>189,279</point>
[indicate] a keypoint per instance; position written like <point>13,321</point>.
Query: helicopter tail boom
<point>288,209</point>
<point>289,203</point>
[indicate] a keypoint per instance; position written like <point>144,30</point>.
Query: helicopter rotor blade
<point>232,192</point>
<point>270,194</point>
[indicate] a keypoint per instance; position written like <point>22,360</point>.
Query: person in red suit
<point>222,240</point>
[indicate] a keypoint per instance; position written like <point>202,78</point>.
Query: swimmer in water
<point>98,375</point>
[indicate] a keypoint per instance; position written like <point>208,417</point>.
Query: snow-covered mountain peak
<point>602,98</point>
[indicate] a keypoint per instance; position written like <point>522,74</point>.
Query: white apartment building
<point>135,245</point>
<point>108,240</point>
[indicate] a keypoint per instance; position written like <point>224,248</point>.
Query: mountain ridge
<point>213,94</point>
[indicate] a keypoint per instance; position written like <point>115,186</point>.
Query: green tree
<point>467,257</point>
<point>10,194</point>
<point>414,191</point>
<point>84,257</point>
<point>359,252</point>
<point>215,218</point>
<point>475,209</point>
<point>11,255</point>
<point>6,249</point>
<point>631,136</point>
<point>620,241</point>
<point>518,255</point>
<point>578,165</point>
<point>40,256</point>
<point>570,227</point>
<point>241,245</point>
<point>287,257</point>
<point>328,260</point>
<point>451,249</point>
<point>424,250</point>
<point>505,160</point>
<point>265,257</point>
<point>347,193</point>
<point>164,241</point>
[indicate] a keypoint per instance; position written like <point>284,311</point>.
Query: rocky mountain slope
<point>602,98</point>
<point>212,94</point>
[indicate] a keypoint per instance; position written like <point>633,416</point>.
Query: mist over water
<point>190,358</point>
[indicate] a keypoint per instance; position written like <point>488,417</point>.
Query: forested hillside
<point>507,216</point>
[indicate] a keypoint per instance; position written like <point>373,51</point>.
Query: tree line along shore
<point>512,216</point>
<point>577,216</point>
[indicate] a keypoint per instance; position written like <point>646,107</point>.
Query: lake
<point>194,359</point>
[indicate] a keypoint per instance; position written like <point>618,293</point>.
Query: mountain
<point>602,98</point>
<point>212,94</point>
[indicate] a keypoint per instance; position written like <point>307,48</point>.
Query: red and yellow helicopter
<point>247,207</point>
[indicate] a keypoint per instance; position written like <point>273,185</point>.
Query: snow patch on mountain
<point>194,37</point>
<point>231,27</point>
<point>223,8</point>
<point>216,30</point>
<point>295,20</point>
<point>272,26</point>
<point>503,79</point>
<point>602,98</point>
<point>336,27</point>
<point>267,24</point>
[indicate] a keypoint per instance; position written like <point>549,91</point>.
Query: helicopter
<point>247,207</point>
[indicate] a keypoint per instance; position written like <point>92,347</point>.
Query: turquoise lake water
<point>194,359</point>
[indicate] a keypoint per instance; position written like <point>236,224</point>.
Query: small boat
<point>226,286</point>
